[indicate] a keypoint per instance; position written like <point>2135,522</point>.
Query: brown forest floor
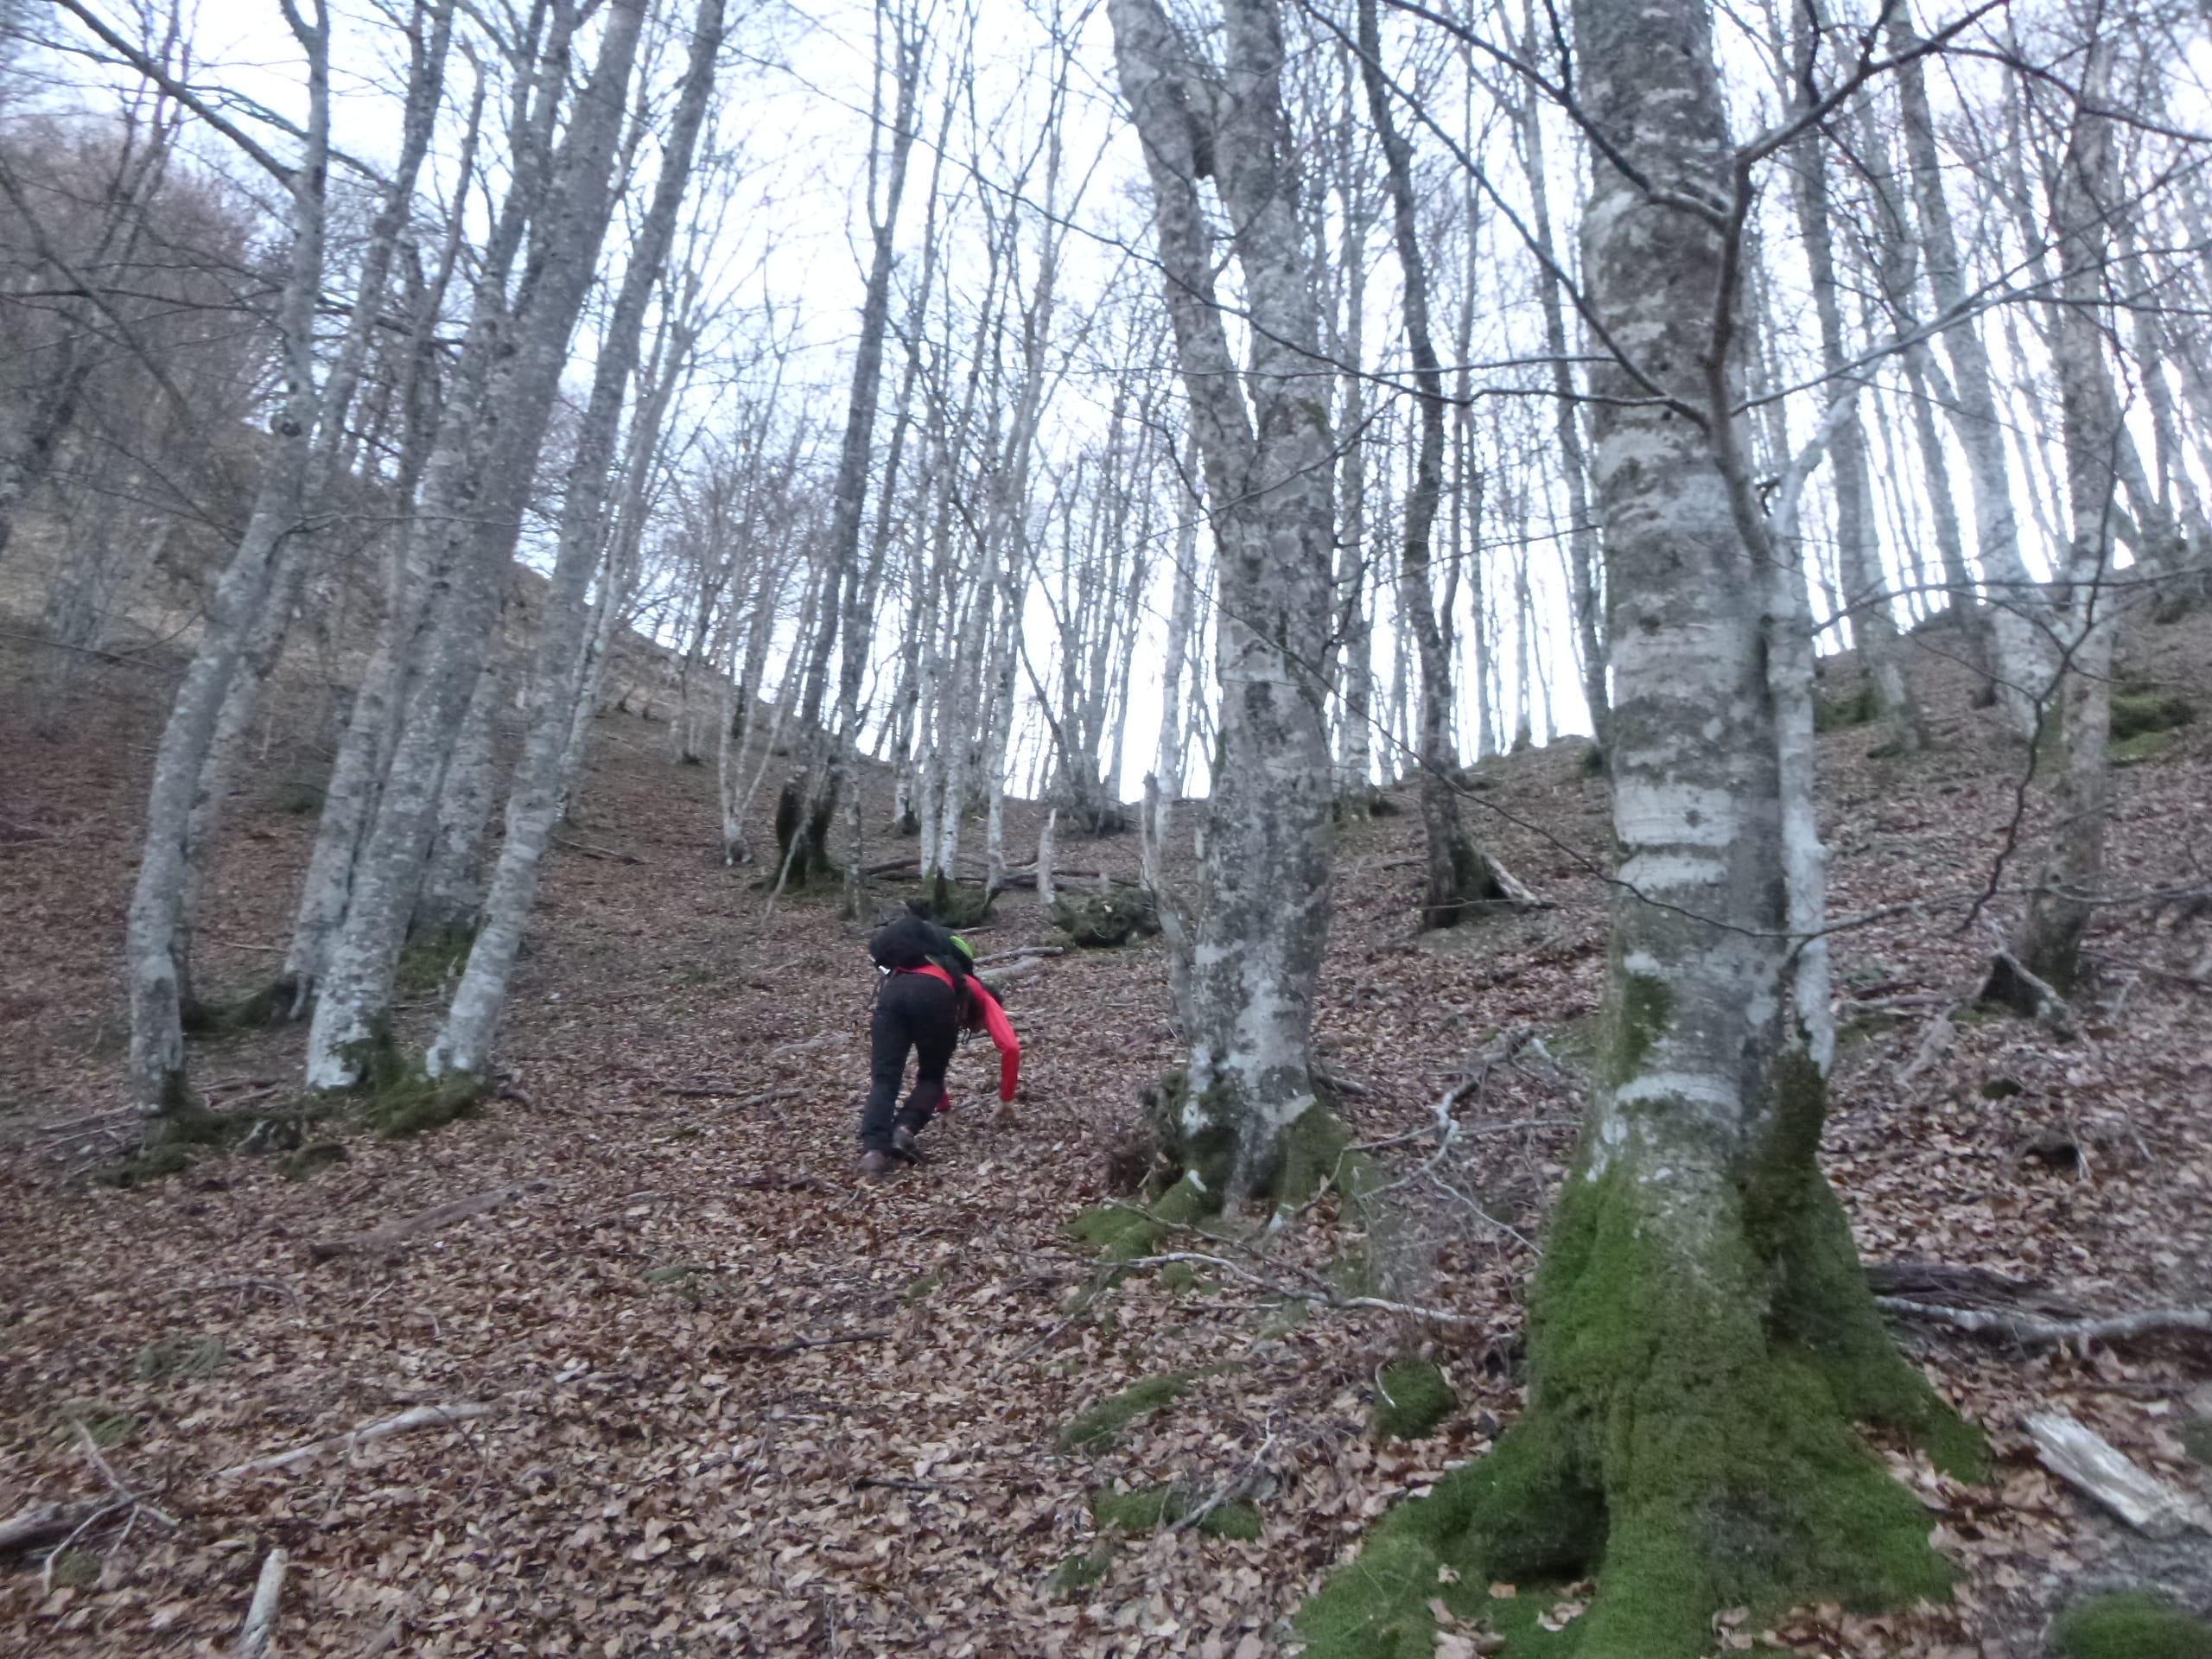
<point>659,1479</point>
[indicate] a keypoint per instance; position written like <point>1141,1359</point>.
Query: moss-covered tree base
<point>1208,1142</point>
<point>1107,920</point>
<point>949,905</point>
<point>1697,1372</point>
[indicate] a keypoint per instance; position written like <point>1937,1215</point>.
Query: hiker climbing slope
<point>928,996</point>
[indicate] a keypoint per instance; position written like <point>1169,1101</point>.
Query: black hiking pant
<point>917,1012</point>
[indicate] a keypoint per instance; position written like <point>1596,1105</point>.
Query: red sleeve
<point>1009,1045</point>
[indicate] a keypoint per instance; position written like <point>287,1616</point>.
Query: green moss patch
<point>179,1359</point>
<point>1241,1522</point>
<point>108,1426</point>
<point>399,1099</point>
<point>429,963</point>
<point>1150,1508</point>
<point>2135,713</point>
<point>1095,1427</point>
<point>1414,1398</point>
<point>269,1005</point>
<point>1118,1231</point>
<point>1107,920</point>
<point>75,1569</point>
<point>2142,747</point>
<point>2132,1625</point>
<point>693,1281</point>
<point>1840,713</point>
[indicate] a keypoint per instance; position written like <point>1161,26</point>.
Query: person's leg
<point>934,1041</point>
<point>890,1034</point>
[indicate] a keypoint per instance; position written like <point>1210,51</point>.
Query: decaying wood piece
<point>382,1241</point>
<point>2080,1456</point>
<point>261,1613</point>
<point>461,1411</point>
<point>41,1522</point>
<point>1012,972</point>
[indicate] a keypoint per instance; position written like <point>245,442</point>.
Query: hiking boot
<point>875,1163</point>
<point>908,1145</point>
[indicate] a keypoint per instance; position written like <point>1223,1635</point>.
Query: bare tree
<point>1264,900</point>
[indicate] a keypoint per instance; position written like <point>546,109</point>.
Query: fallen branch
<point>261,1613</point>
<point>2030,1331</point>
<point>2080,1456</point>
<point>1025,950</point>
<point>367,1435</point>
<point>589,851</point>
<point>41,1522</point>
<point>886,1483</point>
<point>799,1345</point>
<point>382,1241</point>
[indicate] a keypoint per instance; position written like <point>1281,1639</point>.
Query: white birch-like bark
<point>1168,755</point>
<point>1458,873</point>
<point>464,1043</point>
<point>156,1062</point>
<point>2084,209</point>
<point>474,491</point>
<point>1866,587</point>
<point>2019,662</point>
<point>430,36</point>
<point>365,754</point>
<point>1583,556</point>
<point>1264,896</point>
<point>452,896</point>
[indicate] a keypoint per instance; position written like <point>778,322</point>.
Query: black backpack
<point>914,942</point>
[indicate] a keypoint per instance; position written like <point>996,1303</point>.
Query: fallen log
<point>41,1522</point>
<point>383,1241</point>
<point>2084,1458</point>
<point>367,1435</point>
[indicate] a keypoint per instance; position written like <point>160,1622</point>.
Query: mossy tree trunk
<point>1262,433</point>
<point>1702,1343</point>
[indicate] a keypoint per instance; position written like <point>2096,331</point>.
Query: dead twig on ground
<point>589,851</point>
<point>387,1238</point>
<point>368,1433</point>
<point>799,1345</point>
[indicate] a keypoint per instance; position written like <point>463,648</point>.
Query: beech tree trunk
<point>1859,549</point>
<point>2019,662</point>
<point>156,1063</point>
<point>2087,610</point>
<point>1460,874</point>
<point>474,490</point>
<point>1263,901</point>
<point>464,1042</point>
<point>1701,1337</point>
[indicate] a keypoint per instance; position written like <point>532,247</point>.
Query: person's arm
<point>1002,1037</point>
